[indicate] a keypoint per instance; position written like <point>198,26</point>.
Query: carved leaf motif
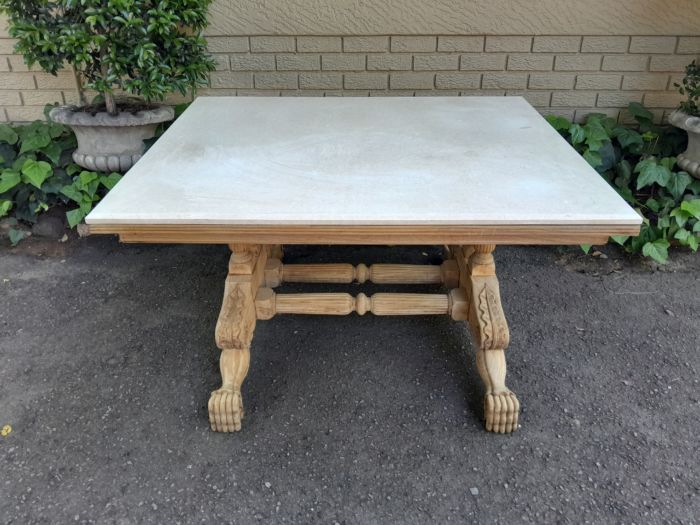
<point>492,322</point>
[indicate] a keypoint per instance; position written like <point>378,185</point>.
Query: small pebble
<point>474,491</point>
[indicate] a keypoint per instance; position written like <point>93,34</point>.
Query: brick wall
<point>567,75</point>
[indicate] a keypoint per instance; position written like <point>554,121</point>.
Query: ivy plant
<point>690,87</point>
<point>147,48</point>
<point>37,173</point>
<point>640,163</point>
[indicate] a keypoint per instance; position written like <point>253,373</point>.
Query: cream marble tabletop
<point>362,161</point>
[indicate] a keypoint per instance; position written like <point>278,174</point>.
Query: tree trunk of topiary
<point>110,104</point>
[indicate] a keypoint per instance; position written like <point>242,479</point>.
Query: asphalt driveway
<point>107,360</point>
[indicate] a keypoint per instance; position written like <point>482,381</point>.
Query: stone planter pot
<point>689,160</point>
<point>110,142</point>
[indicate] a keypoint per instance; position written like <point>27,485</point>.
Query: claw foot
<point>501,411</point>
<point>225,410</point>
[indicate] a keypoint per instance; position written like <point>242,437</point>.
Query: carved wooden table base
<point>474,296</point>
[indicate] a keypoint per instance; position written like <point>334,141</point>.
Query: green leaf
<point>694,187</point>
<point>53,152</point>
<point>681,216</point>
<point>639,112</point>
<point>593,158</point>
<point>72,193</point>
<point>653,205</point>
<point>620,239</point>
<point>586,248</point>
<point>682,235</point>
<point>5,207</point>
<point>8,180</point>
<point>691,207</point>
<point>696,227</point>
<point>7,134</point>
<point>16,235</point>
<point>86,177</point>
<point>627,137</point>
<point>678,183</point>
<point>693,243</point>
<point>577,134</point>
<point>74,217</point>
<point>657,250</point>
<point>110,181</point>
<point>663,222</point>
<point>36,172</point>
<point>557,122</point>
<point>34,142</point>
<point>651,172</point>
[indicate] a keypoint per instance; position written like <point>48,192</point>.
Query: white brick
<point>366,81</point>
<point>414,43</point>
<point>24,113</point>
<point>465,44</point>
<point>276,81</point>
<point>435,62</point>
<point>605,44</point>
<point>689,45</point>
<point>556,44</point>
<point>319,44</point>
<point>504,81</point>
<point>10,98</point>
<point>645,82</point>
<point>41,98</point>
<point>412,80</point>
<point>663,100</point>
<point>229,79</point>
<point>365,43</point>
<point>321,80</point>
<point>458,80</point>
<point>16,81</point>
<point>483,62</point>
<point>578,62</point>
<point>619,100</point>
<point>508,43</point>
<point>601,81</point>
<point>228,44</point>
<point>552,81</point>
<point>222,63</point>
<point>669,62</point>
<point>653,44</point>
<point>530,62</point>
<point>343,62</point>
<point>573,98</point>
<point>625,63</point>
<point>7,46</point>
<point>389,62</point>
<point>248,62</point>
<point>272,44</point>
<point>298,62</point>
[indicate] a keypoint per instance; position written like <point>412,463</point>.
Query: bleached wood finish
<point>447,273</point>
<point>234,333</point>
<point>362,234</point>
<point>490,330</point>
<point>268,304</point>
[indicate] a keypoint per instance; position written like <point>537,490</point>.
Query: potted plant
<point>687,117</point>
<point>116,48</point>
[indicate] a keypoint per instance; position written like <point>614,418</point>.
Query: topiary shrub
<point>147,48</point>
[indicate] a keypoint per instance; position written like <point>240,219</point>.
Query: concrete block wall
<point>563,61</point>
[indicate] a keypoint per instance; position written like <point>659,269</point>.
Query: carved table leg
<point>234,333</point>
<point>490,330</point>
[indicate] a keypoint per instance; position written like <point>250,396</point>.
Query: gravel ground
<point>107,361</point>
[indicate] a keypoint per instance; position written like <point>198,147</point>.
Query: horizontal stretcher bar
<point>268,304</point>
<point>447,273</point>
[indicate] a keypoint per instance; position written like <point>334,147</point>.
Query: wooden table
<point>258,173</point>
